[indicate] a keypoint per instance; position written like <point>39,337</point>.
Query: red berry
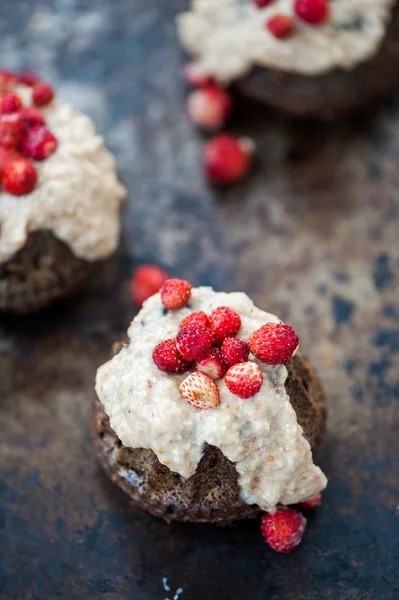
<point>175,293</point>
<point>312,11</point>
<point>209,107</point>
<point>312,503</point>
<point>224,322</point>
<point>200,391</point>
<point>28,78</point>
<point>194,77</point>
<point>199,319</point>
<point>167,358</point>
<point>7,155</point>
<point>38,143</point>
<point>262,3</point>
<point>31,116</point>
<point>227,158</point>
<point>7,81</point>
<point>19,177</point>
<point>11,130</point>
<point>212,365</point>
<point>234,351</point>
<point>284,530</point>
<point>194,342</point>
<point>280,26</point>
<point>244,379</point>
<point>42,94</point>
<point>274,343</point>
<point>10,103</point>
<point>146,282</point>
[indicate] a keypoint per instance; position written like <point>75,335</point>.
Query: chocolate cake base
<point>334,94</point>
<point>44,270</point>
<point>212,494</point>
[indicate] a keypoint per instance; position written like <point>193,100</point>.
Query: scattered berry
<point>19,177</point>
<point>281,26</point>
<point>199,319</point>
<point>28,78</point>
<point>244,379</point>
<point>312,503</point>
<point>42,94</point>
<point>227,158</point>
<point>262,3</point>
<point>146,282</point>
<point>31,116</point>
<point>312,11</point>
<point>194,77</point>
<point>167,358</point>
<point>209,107</point>
<point>274,343</point>
<point>234,351</point>
<point>284,530</point>
<point>194,342</point>
<point>11,130</point>
<point>200,391</point>
<point>6,156</point>
<point>7,81</point>
<point>175,293</point>
<point>224,322</point>
<point>212,365</point>
<point>38,143</point>
<point>10,103</point>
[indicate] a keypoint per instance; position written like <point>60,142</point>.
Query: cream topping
<point>229,37</point>
<point>261,435</point>
<point>77,196</point>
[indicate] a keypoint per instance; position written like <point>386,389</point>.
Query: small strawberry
<point>312,11</point>
<point>262,3</point>
<point>274,343</point>
<point>224,322</point>
<point>194,342</point>
<point>167,358</point>
<point>28,78</point>
<point>284,530</point>
<point>212,365</point>
<point>200,391</point>
<point>11,130</point>
<point>311,503</point>
<point>6,156</point>
<point>209,107</point>
<point>7,81</point>
<point>244,379</point>
<point>175,293</point>
<point>199,319</point>
<point>194,77</point>
<point>42,94</point>
<point>31,116</point>
<point>19,177</point>
<point>281,26</point>
<point>146,282</point>
<point>10,103</point>
<point>38,143</point>
<point>234,351</point>
<point>227,159</point>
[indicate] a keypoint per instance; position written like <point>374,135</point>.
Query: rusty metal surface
<point>311,235</point>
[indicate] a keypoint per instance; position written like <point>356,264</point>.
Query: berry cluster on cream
<point>312,12</point>
<point>208,344</point>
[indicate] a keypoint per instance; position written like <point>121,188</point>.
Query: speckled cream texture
<point>77,196</point>
<point>229,37</point>
<point>261,435</point>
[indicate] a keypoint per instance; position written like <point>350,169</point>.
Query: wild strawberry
<point>175,293</point>
<point>199,319</point>
<point>194,342</point>
<point>7,81</point>
<point>11,130</point>
<point>10,103</point>
<point>19,177</point>
<point>224,322</point>
<point>227,158</point>
<point>31,116</point>
<point>281,26</point>
<point>234,351</point>
<point>194,77</point>
<point>42,94</point>
<point>7,155</point>
<point>27,78</point>
<point>212,365</point>
<point>244,379</point>
<point>312,11</point>
<point>200,391</point>
<point>284,530</point>
<point>167,358</point>
<point>312,503</point>
<point>262,3</point>
<point>146,282</point>
<point>209,107</point>
<point>38,143</point>
<point>274,343</point>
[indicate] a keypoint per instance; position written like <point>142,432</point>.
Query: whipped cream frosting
<point>260,435</point>
<point>229,37</point>
<point>77,196</point>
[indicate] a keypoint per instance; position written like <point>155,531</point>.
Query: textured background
<point>311,235</point>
